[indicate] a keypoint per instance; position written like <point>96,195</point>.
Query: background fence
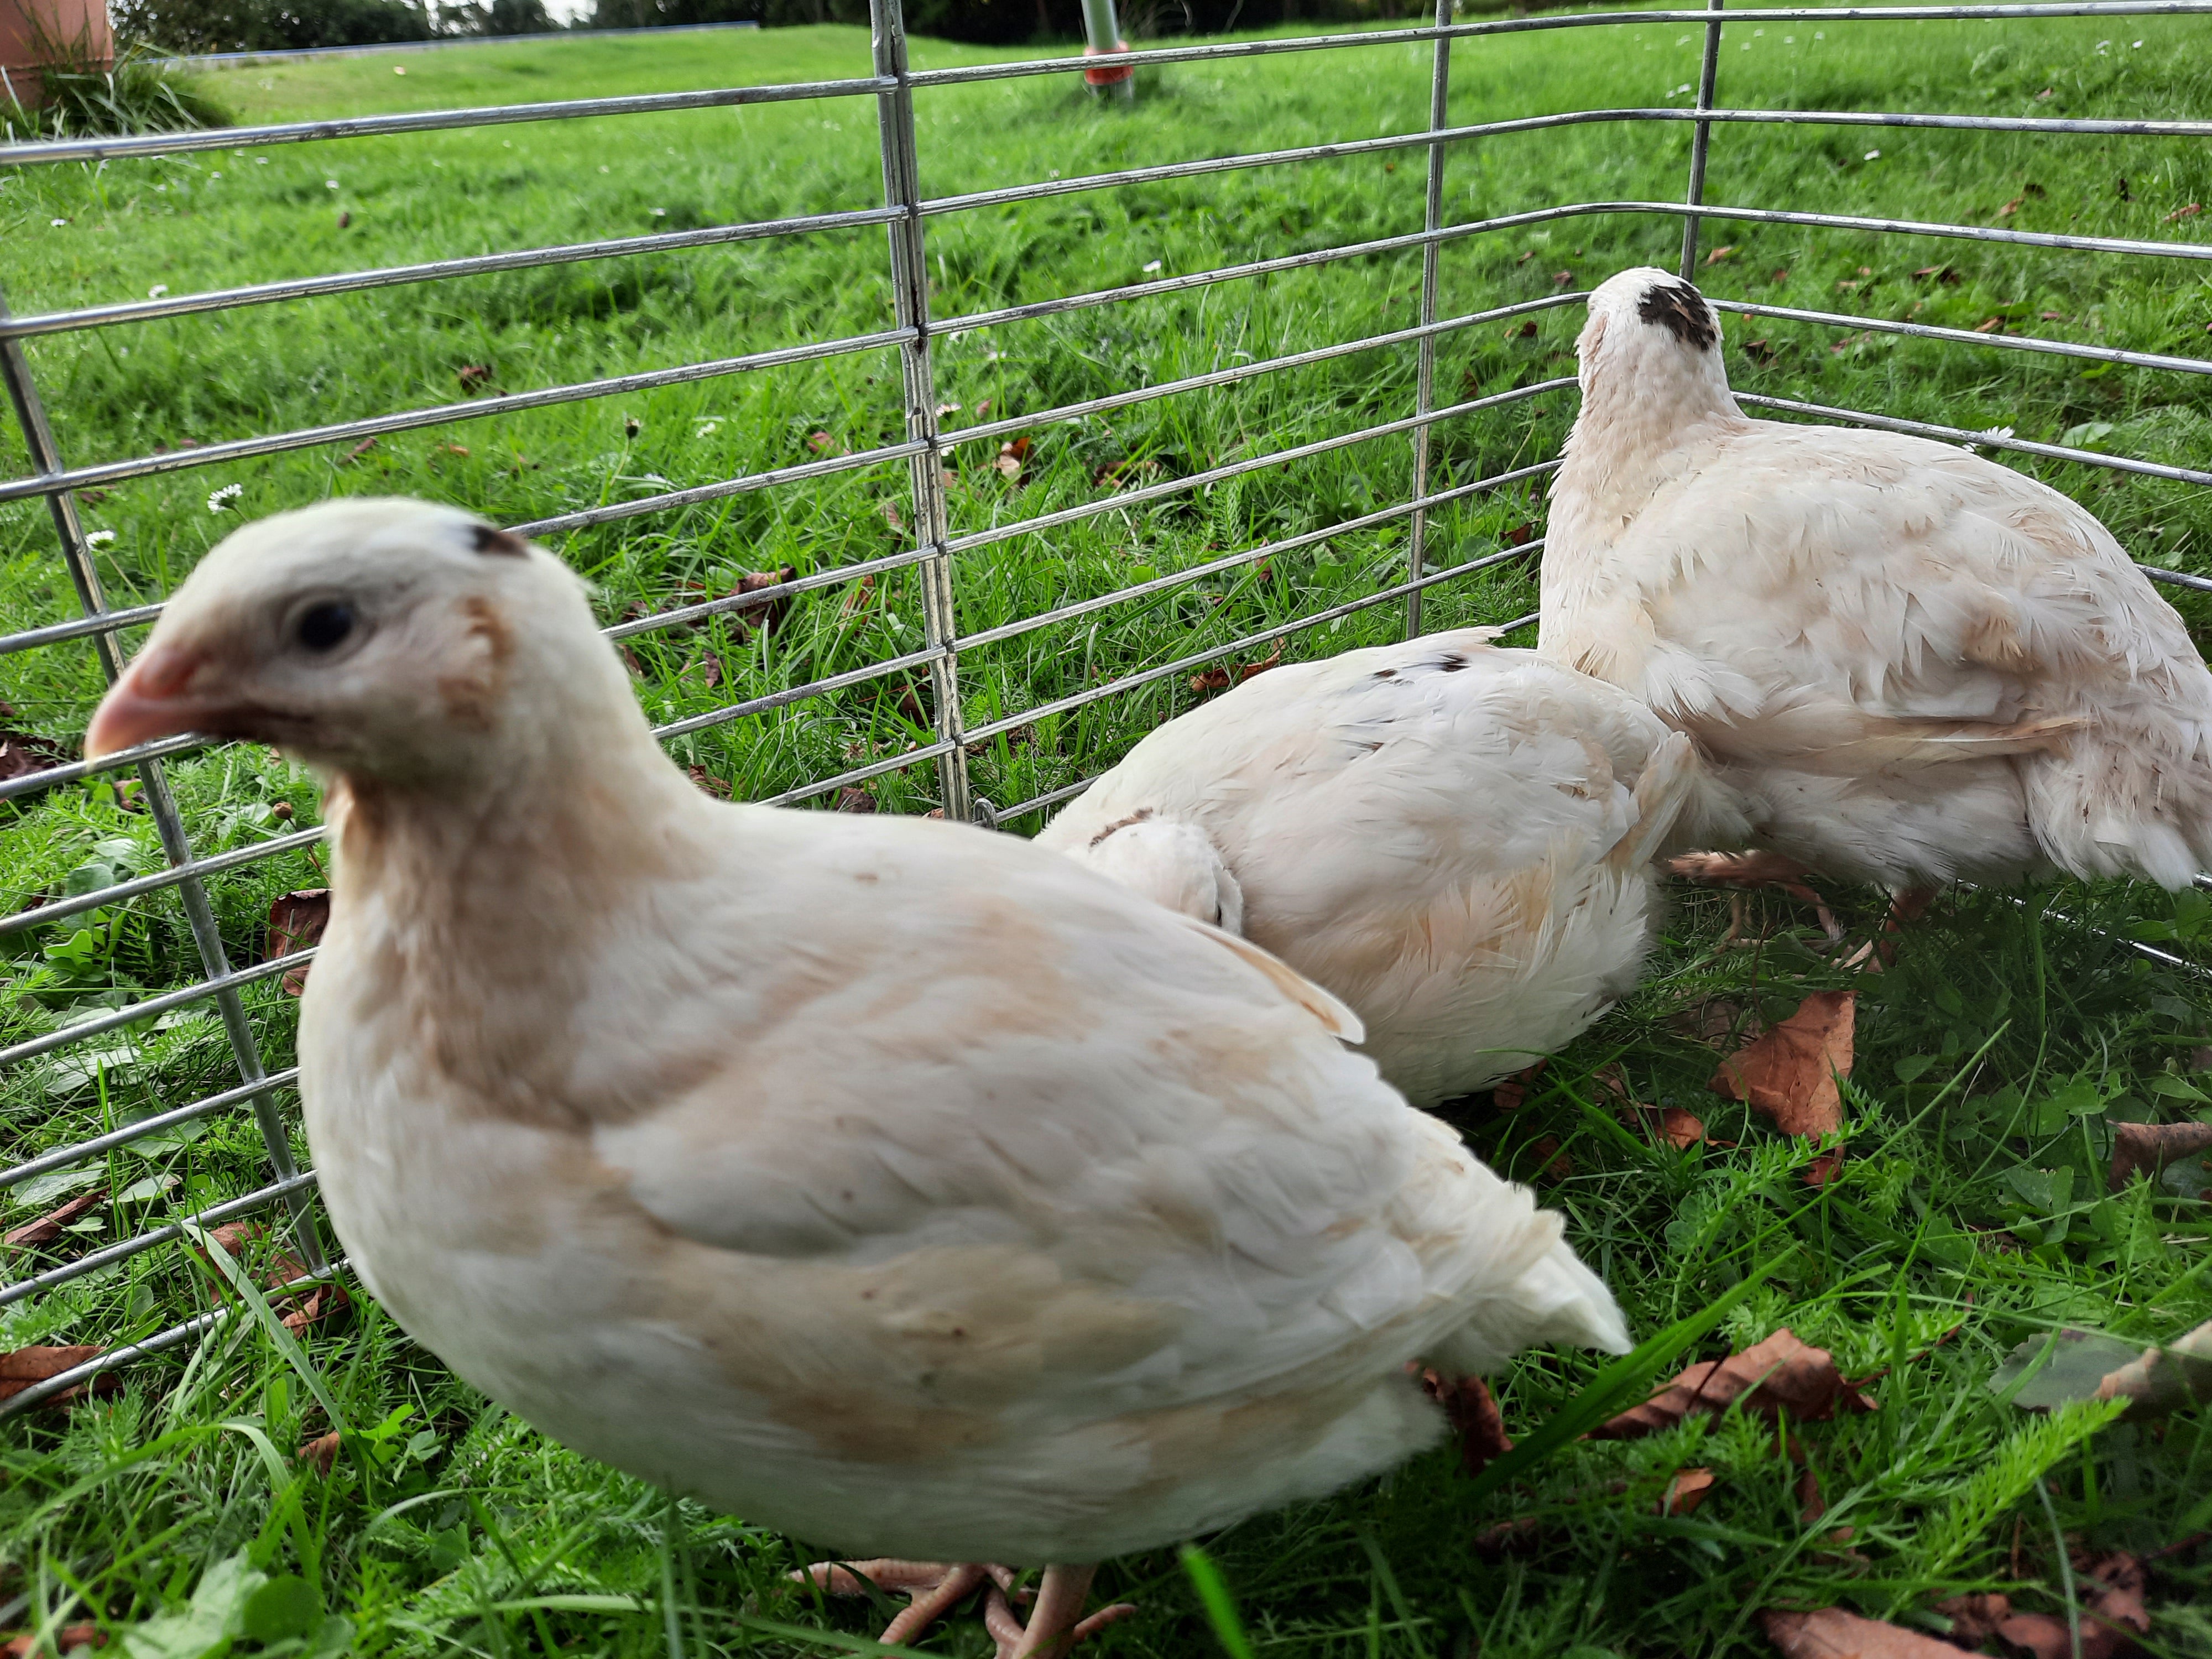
<point>80,1053</point>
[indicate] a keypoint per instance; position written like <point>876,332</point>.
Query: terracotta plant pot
<point>36,32</point>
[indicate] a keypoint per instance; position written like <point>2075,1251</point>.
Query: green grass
<point>1991,1064</point>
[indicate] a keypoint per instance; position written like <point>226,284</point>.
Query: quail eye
<point>324,627</point>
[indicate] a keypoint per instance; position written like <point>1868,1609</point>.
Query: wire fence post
<point>1101,38</point>
<point>1425,386</point>
<point>1701,138</point>
<point>910,298</point>
<point>160,804</point>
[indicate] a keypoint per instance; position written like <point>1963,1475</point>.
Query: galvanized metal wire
<point>933,549</point>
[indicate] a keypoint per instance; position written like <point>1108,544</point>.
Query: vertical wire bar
<point>1424,389</point>
<point>1701,138</point>
<point>207,937</point>
<point>910,297</point>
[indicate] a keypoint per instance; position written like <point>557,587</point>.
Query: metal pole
<point>1701,138</point>
<point>1425,388</point>
<point>214,962</point>
<point>1101,35</point>
<point>910,297</point>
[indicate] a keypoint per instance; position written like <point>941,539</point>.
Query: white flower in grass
<point>659,213</point>
<point>261,161</point>
<point>329,184</point>
<point>99,539</point>
<point>157,290</point>
<point>1874,155</point>
<point>58,223</point>
<point>707,428</point>
<point>1155,265</point>
<point>224,497</point>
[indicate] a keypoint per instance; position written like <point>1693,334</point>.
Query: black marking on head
<point>1682,311</point>
<point>1137,816</point>
<point>1386,673</point>
<point>504,543</point>
<point>1452,661</point>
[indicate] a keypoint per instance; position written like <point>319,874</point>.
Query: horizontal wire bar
<point>953,326</point>
<point>1968,336</point>
<point>139,1242</point>
<point>1425,138</point>
<point>146,1348</point>
<point>741,485</point>
<point>1251,555</point>
<point>99,1025</point>
<point>62,1157</point>
<point>969,75</point>
<point>312,288</point>
<point>1237,469</point>
<point>1050,798</point>
<point>109,473</point>
<point>2177,579</point>
<point>1910,227</point>
<point>898,762</point>
<point>70,771</point>
<point>723,716</point>
<point>105,621</point>
<point>123,890</point>
<point>1013,722</point>
<point>158,144</point>
<point>1980,440</point>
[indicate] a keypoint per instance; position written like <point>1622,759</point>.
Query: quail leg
<point>1055,1622</point>
<point>933,1588</point>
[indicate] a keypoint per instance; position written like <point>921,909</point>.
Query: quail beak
<point>154,698</point>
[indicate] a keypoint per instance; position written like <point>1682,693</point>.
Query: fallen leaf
<point>1557,1165</point>
<point>1561,278</point>
<point>460,450</point>
<point>1941,273</point>
<point>1974,1619</point>
<point>2054,316</point>
<point>1790,1072</point>
<point>359,449</point>
<point>1780,1374</point>
<point>22,753</point>
<point>2149,1147</point>
<point>1811,1506</point>
<point>1474,1418</point>
<point>344,219</point>
<point>319,1302</point>
<point>67,1639</point>
<point>1520,536</point>
<point>48,1227</point>
<point>890,509</point>
<point>20,1369</point>
<point>1014,459</point>
<point>823,444</point>
<point>473,375</point>
<point>2010,207</point>
<point>320,1453</point>
<point>1527,331</point>
<point>1220,679</point>
<point>2111,1591</point>
<point>1825,1168</point>
<point>852,798</point>
<point>1781,275</point>
<point>1759,351</point>
<point>1513,1092</point>
<point>1831,1633</point>
<point>767,615</point>
<point>858,597</point>
<point>2163,1379</point>
<point>703,780</point>
<point>296,921</point>
<point>1989,325</point>
<point>2189,212</point>
<point>1689,1489</point>
<point>1719,254</point>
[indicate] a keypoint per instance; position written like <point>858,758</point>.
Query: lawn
<point>1991,1063</point>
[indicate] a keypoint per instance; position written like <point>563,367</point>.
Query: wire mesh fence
<point>944,534</point>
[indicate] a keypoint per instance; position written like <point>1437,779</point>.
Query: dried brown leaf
<point>1475,1418</point>
<point>1014,459</point>
<point>860,596</point>
<point>1790,1072</point>
<point>2165,1379</point>
<point>296,921</point>
<point>321,1452</point>
<point>767,615</point>
<point>2189,211</point>
<point>20,1369</point>
<point>1974,1619</point>
<point>1780,1374</point>
<point>2149,1147</point>
<point>48,1227</point>
<point>1831,1633</point>
<point>1689,1489</point>
<point>1719,254</point>
<point>854,798</point>
<point>1825,1168</point>
<point>67,1639</point>
<point>472,375</point>
<point>1557,1165</point>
